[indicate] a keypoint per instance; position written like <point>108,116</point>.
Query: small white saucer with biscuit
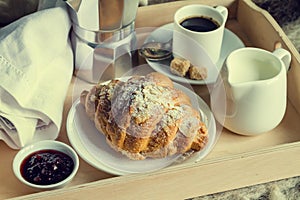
<point>210,70</point>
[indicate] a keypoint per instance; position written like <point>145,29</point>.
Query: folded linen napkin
<point>36,65</point>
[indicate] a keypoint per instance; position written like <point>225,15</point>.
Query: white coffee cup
<point>255,82</point>
<point>210,41</point>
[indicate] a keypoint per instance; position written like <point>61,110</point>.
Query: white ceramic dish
<point>91,145</point>
<point>45,145</point>
<point>165,33</point>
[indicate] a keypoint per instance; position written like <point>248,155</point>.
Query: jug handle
<point>223,10</point>
<point>284,56</point>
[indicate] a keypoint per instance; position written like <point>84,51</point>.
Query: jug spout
<point>73,4</point>
<point>240,81</point>
<point>240,91</point>
<point>73,7</point>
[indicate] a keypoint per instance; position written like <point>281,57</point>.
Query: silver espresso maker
<point>103,37</point>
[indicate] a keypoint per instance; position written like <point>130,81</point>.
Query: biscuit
<point>197,73</point>
<point>180,66</point>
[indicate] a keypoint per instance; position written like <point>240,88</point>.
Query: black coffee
<point>200,24</point>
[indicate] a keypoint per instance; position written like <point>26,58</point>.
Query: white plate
<point>91,145</point>
<point>165,33</point>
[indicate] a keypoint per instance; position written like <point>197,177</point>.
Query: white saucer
<point>91,145</point>
<point>165,33</point>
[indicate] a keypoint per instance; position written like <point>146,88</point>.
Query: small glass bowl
<point>40,146</point>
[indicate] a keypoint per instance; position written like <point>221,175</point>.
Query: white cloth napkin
<point>36,65</point>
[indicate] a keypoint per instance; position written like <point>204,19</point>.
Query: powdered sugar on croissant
<point>145,116</point>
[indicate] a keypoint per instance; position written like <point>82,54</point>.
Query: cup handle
<point>223,10</point>
<point>285,56</point>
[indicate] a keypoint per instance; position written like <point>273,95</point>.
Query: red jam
<point>46,167</point>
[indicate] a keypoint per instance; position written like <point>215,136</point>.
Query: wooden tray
<point>236,161</point>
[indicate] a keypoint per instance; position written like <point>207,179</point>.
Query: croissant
<point>145,117</point>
